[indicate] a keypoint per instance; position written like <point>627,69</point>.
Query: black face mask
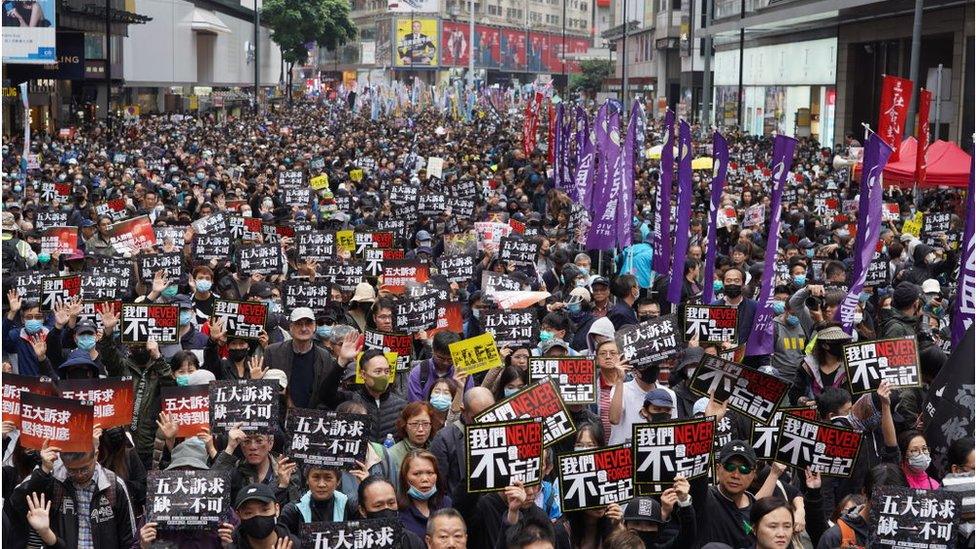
<point>648,375</point>
<point>382,514</point>
<point>140,356</point>
<point>649,538</point>
<point>835,348</point>
<point>732,290</point>
<point>258,527</point>
<point>660,418</point>
<point>237,355</point>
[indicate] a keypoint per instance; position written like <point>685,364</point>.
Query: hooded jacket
<point>898,324</point>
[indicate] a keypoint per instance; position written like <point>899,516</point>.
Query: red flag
<point>896,94</point>
<point>531,123</point>
<point>922,134</point>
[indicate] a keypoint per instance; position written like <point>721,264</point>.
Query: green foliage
<point>590,80</point>
<point>295,23</point>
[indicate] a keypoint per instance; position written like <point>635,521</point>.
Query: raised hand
<point>49,454</point>
<point>167,426</point>
<point>39,344</point>
<point>13,298</point>
<point>255,365</point>
<point>234,438</point>
<point>39,513</point>
<point>109,319</point>
<point>218,331</point>
<point>286,468</point>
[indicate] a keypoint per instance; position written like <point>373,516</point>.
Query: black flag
<point>948,411</point>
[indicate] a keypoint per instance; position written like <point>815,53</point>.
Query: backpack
<point>848,537</point>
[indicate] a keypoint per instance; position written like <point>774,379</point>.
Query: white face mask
<point>858,318</point>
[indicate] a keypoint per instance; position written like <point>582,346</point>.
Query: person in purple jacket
<point>425,373</point>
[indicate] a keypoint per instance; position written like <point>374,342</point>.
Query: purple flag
<point>606,190</point>
<point>962,318</point>
<point>585,165</point>
<point>662,206</point>
<point>557,167</point>
<point>564,159</point>
<point>761,339</point>
<point>720,153</point>
<point>633,148</point>
<point>685,196</point>
<point>876,153</point>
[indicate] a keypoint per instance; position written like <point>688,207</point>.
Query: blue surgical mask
<point>182,380</point>
<point>779,307</point>
<point>18,188</point>
<point>204,285</point>
<point>33,326</point>
<point>476,313</point>
<point>422,496</point>
<point>509,392</point>
<point>717,286</point>
<point>170,291</point>
<point>864,297</point>
<point>324,332</point>
<point>581,283</point>
<point>273,306</point>
<point>809,252</point>
<point>800,280</point>
<point>201,176</point>
<point>86,342</point>
<point>44,257</point>
<point>545,335</point>
<point>186,318</point>
<point>573,307</point>
<point>440,402</point>
<point>793,320</point>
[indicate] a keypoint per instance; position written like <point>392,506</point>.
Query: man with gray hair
<point>446,530</point>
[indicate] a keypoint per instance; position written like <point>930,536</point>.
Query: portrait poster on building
<point>417,40</point>
<point>503,452</point>
<point>29,32</point>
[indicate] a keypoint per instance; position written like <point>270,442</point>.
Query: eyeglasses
<point>385,316</point>
<point>83,470</point>
<point>732,467</point>
<point>919,451</point>
<point>608,354</point>
<point>418,424</point>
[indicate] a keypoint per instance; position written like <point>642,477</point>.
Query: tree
<point>590,80</point>
<point>297,23</point>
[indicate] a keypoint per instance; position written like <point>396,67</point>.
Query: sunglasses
<point>743,469</point>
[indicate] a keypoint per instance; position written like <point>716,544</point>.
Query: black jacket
<point>241,542</point>
<point>491,528</point>
<point>718,517</point>
<point>327,372</point>
<point>384,411</point>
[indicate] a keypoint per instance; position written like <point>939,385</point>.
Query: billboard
<point>28,32</point>
<point>417,42</point>
<point>455,48</point>
<point>411,6</point>
<point>508,48</point>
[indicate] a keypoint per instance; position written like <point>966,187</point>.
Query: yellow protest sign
<point>914,226</point>
<point>319,182</point>
<point>390,357</point>
<point>475,354</point>
<point>356,175</point>
<point>346,240</point>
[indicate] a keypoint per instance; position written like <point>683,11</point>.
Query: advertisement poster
<point>29,35</point>
<point>416,42</point>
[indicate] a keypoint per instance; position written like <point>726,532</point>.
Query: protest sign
<point>56,290</point>
<point>212,246</point>
<point>327,439</point>
<point>129,236</point>
<point>891,212</point>
<point>213,224</point>
<point>490,234</point>
<point>937,222</point>
<point>450,317</point>
<point>45,219</point>
<point>650,341</point>
<point>251,402</point>
<point>893,360</point>
<point>97,287</point>
<point>517,250</point>
<point>826,449</point>
<point>142,322</point>
<point>319,182</point>
<point>63,240</point>
<point>461,244</point>
<point>353,534</point>
<point>401,344</point>
<point>755,216</point>
<point>511,328</point>
<point>492,283</point>
<point>398,273</point>
<point>345,275</point>
<point>274,233</point>
<point>915,518</point>
<point>189,408</point>
<point>170,263</point>
<point>14,385</point>
<point>112,398</point>
<point>364,240</point>
<point>245,228</point>
<point>242,319</point>
<point>346,240</point>
<point>50,191</point>
<point>435,167</point>
<point>475,354</point>
<point>540,400</point>
<point>746,390</point>
<point>765,437</point>
<point>175,235</point>
<point>293,190</point>
<point>726,218</point>
<point>712,323</point>
<point>66,424</point>
<point>313,294</point>
<point>879,271</point>
<point>373,259</point>
<point>263,259</point>
<point>662,451</point>
<point>457,268</point>
<point>459,208</point>
<point>26,283</point>
<point>574,376</point>
<point>415,314</point>
<point>500,453</point>
<point>188,499</point>
<point>593,479</point>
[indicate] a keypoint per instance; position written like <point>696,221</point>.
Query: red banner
<point>531,126</point>
<point>896,94</point>
<point>551,144</point>
<point>189,406</point>
<point>14,385</point>
<point>112,398</point>
<point>922,134</point>
<point>61,239</point>
<point>67,424</point>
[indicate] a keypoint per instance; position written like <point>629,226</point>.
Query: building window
<point>494,10</point>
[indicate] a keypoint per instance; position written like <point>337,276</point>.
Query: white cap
<point>931,286</point>
<point>301,313</point>
<point>277,374</point>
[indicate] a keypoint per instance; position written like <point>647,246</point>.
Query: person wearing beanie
<point>903,320</point>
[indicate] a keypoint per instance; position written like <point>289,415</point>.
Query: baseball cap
<point>423,236</point>
<point>905,294</point>
<point>931,286</point>
<point>260,289</point>
<point>600,280</point>
<point>301,313</point>
<point>659,397</point>
<point>643,509</point>
<point>85,327</point>
<point>183,300</point>
<point>692,355</point>
<point>255,492</point>
<point>737,448</point>
<point>85,223</point>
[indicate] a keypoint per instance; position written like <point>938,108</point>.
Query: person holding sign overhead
<point>258,465</point>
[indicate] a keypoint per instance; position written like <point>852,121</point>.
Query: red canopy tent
<point>946,163</point>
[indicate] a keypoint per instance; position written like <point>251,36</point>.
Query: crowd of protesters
<point>180,169</point>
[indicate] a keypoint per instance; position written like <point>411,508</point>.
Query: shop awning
<point>207,21</point>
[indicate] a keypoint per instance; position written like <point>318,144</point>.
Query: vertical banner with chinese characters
<point>503,452</point>
<point>896,94</point>
<point>327,439</point>
<point>662,451</point>
<point>538,401</point>
<point>826,449</point>
<point>596,478</point>
<point>188,500</point>
<point>922,134</point>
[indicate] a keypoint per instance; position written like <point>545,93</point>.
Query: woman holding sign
<point>421,491</point>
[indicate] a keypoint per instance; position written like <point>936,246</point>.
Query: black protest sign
<point>495,282</point>
<point>345,275</point>
<point>596,478</point>
<point>245,228</point>
<point>501,453</point>
<point>398,274</point>
<point>517,250</point>
<point>879,272</point>
<point>353,534</point>
<point>575,377</point>
<point>171,264</point>
<point>948,410</point>
<point>431,203</point>
<point>263,259</point>
<point>252,403</point>
<point>457,268</point>
<point>241,319</point>
<point>274,233</point>
<point>188,499</point>
<point>459,207</point>
<point>54,191</point>
<point>327,439</point>
<point>712,323</point>
<point>401,195</point>
<point>397,226</point>
<point>293,190</point>
<point>827,449</point>
<point>315,245</point>
<point>746,390</point>
<point>383,240</point>
<point>650,341</point>
<point>893,360</point>
<point>663,451</point>
<point>539,401</point>
<point>212,246</point>
<point>27,284</point>
<point>56,290</point>
<point>764,437</point>
<point>313,294</point>
<point>415,314</point>
<point>45,219</point>
<point>916,518</point>
<point>104,285</point>
<point>142,322</point>
<point>175,235</point>
<point>937,222</point>
<point>373,261</point>
<point>213,224</point>
<point>512,328</point>
<point>401,344</point>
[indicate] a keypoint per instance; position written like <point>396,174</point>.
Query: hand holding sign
<point>49,455</point>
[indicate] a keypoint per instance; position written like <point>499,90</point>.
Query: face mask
<point>580,282</point>
<point>204,285</point>
<point>44,257</point>
<point>170,291</point>
<point>545,335</point>
<point>858,318</point>
<point>810,252</point>
<point>237,355</point>
<point>659,418</point>
<point>509,392</point>
<point>201,176</point>
<point>717,286</point>
<point>258,527</point>
<point>733,290</point>
<point>779,307</point>
<point>476,313</point>
<point>383,514</point>
<point>379,384</point>
<point>182,380</point>
<point>920,462</point>
<point>800,280</point>
<point>586,272</point>
<point>18,188</point>
<point>836,349</point>
<point>864,297</point>
<point>140,356</point>
<point>793,320</point>
<point>186,318</point>
<point>324,332</point>
<point>422,496</point>
<point>33,326</point>
<point>440,402</point>
<point>273,306</point>
<point>86,342</point>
